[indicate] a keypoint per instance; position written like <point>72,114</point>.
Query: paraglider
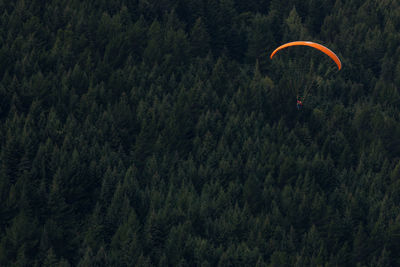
<point>321,48</point>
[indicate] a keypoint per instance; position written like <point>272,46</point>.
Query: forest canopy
<point>160,133</point>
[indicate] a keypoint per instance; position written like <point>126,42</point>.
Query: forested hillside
<point>160,133</point>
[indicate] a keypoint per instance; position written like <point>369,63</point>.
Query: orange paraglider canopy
<point>315,45</point>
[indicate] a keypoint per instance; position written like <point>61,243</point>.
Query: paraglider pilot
<point>299,103</point>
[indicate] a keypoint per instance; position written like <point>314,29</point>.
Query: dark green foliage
<point>159,133</point>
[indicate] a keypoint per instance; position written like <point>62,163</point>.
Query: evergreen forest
<point>161,133</point>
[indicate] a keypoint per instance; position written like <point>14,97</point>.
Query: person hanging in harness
<point>299,103</point>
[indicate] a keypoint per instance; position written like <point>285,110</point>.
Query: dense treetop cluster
<point>159,133</point>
